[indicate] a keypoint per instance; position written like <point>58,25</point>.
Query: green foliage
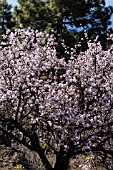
<point>5,17</point>
<point>67,19</point>
<point>31,14</point>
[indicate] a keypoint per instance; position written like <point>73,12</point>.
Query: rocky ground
<point>11,159</point>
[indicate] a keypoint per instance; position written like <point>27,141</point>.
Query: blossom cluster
<point>61,101</point>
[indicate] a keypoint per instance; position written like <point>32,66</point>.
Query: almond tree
<point>45,101</point>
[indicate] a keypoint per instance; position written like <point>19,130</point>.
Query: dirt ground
<point>11,160</point>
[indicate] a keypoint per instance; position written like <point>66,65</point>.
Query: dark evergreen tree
<point>5,17</point>
<point>61,16</point>
<point>99,20</point>
<point>66,18</point>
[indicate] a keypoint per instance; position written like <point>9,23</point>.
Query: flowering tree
<point>46,102</point>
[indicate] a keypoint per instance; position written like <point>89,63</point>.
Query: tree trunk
<point>62,163</point>
<point>45,161</point>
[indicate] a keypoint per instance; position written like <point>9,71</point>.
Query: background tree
<point>31,13</point>
<point>67,19</point>
<point>99,21</point>
<point>65,107</point>
<point>5,17</point>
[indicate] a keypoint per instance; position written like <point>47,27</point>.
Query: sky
<point>108,2</point>
<point>14,2</point>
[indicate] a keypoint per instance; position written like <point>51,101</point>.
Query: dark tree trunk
<point>62,163</point>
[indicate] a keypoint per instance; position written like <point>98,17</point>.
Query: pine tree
<point>57,15</point>
<point>66,18</point>
<point>31,13</point>
<point>100,20</point>
<point>5,17</point>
